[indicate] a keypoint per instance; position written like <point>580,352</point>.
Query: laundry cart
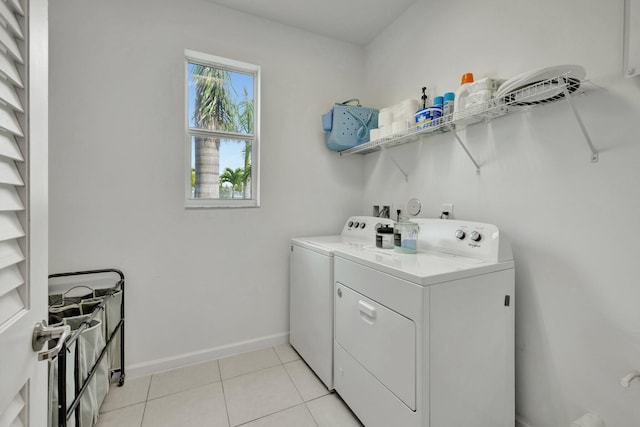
<point>91,303</point>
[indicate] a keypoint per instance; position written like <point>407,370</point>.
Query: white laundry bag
<point>88,346</point>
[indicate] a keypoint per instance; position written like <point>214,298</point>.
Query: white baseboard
<point>159,365</point>
<point>521,423</point>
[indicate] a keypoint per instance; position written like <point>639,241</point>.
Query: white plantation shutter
<point>11,63</point>
<point>12,191</point>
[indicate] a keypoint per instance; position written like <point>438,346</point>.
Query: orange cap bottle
<point>466,78</point>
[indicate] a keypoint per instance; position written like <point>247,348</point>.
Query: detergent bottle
<point>462,92</point>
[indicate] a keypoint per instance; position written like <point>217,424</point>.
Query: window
<point>222,142</point>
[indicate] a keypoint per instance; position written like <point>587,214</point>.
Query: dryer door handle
<point>367,309</point>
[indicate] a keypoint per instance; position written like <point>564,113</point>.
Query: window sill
<point>220,203</point>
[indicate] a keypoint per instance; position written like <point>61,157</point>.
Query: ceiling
<point>354,21</point>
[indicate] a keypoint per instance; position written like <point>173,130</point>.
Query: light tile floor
<point>271,387</point>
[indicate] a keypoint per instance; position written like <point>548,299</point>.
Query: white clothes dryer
<point>427,339</point>
<point>311,291</point>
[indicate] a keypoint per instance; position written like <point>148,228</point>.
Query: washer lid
<point>357,230</point>
<point>324,245</point>
<point>423,268</point>
<point>327,245</point>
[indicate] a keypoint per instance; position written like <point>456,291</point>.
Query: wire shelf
<point>541,92</point>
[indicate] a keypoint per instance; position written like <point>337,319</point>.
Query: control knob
<point>475,236</point>
<point>460,234</point>
<point>350,224</point>
<point>356,224</point>
<point>363,225</point>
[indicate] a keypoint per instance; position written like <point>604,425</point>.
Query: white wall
<point>573,224</point>
<point>199,282</point>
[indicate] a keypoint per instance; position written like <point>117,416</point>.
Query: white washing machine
<point>427,339</point>
<point>311,291</point>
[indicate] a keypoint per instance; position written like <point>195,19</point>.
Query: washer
<point>311,291</point>
<point>427,339</point>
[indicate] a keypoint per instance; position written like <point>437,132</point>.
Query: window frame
<point>227,64</point>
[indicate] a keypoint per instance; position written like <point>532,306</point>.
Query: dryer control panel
<point>464,238</point>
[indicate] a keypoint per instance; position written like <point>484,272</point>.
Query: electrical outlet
<point>448,207</point>
<point>382,210</point>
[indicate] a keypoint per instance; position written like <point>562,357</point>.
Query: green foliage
<point>215,109</point>
<point>245,119</point>
<point>246,175</point>
<point>235,178</point>
<point>245,113</point>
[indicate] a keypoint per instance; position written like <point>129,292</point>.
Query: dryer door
<point>381,340</point>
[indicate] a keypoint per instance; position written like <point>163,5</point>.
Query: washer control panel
<point>364,226</point>
<point>356,224</point>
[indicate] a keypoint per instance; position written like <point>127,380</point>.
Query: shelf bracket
<point>587,137</point>
<point>384,150</point>
<point>464,147</point>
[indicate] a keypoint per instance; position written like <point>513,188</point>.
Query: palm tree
<point>235,178</point>
<point>245,122</point>
<point>246,181</point>
<point>214,110</point>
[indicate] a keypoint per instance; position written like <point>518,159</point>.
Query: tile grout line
<point>294,383</point>
<point>257,370</point>
<point>277,354</point>
<point>144,412</point>
<point>296,387</point>
<point>224,395</point>
<point>277,412</point>
<point>253,372</point>
<point>299,393</point>
<point>341,400</point>
<point>122,407</point>
<point>149,389</point>
<point>297,356</point>
<point>312,416</point>
<point>183,391</point>
<point>280,362</point>
<point>188,388</point>
<point>320,397</point>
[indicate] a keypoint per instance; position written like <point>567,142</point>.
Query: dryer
<point>427,339</point>
<point>311,291</point>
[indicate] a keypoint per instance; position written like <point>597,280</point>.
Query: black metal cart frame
<point>63,413</point>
